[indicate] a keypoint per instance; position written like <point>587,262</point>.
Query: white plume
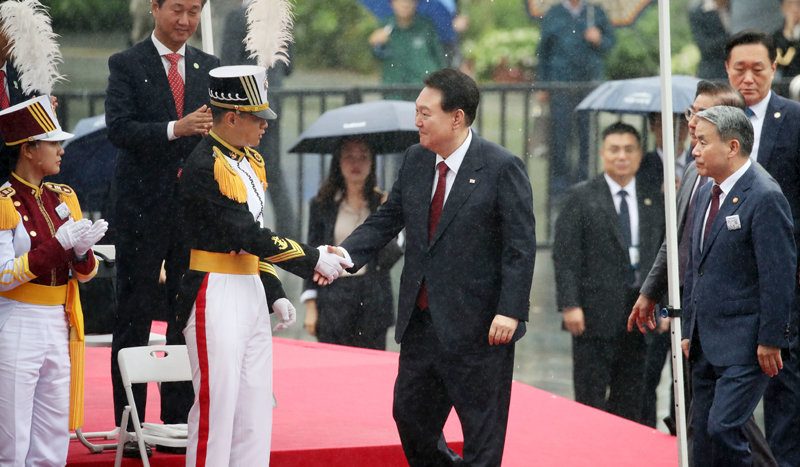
<point>269,31</point>
<point>34,50</point>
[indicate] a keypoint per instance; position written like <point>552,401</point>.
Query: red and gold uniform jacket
<point>36,268</point>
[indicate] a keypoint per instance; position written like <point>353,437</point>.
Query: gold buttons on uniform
<point>25,218</point>
<point>33,233</point>
<point>16,203</point>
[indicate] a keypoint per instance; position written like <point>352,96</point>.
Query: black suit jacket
<point>779,151</point>
<point>139,106</point>
<point>590,255</point>
<point>480,260</point>
<point>321,224</point>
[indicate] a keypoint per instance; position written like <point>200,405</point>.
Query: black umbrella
<point>388,126</point>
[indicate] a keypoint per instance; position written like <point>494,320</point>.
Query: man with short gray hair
<point>739,287</point>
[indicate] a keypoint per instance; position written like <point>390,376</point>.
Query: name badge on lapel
<point>733,222</point>
<point>63,211</point>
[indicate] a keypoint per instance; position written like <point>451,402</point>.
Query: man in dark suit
<point>751,64</point>
<point>465,286</point>
<point>156,113</point>
<point>609,230</point>
<point>654,287</point>
<point>655,284</point>
<point>739,287</point>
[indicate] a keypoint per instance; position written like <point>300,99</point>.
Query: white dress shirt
<point>453,164</point>
<point>757,119</point>
<point>633,205</point>
<point>726,187</point>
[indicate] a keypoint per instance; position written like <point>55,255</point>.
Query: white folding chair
<point>152,363</point>
<point>108,253</point>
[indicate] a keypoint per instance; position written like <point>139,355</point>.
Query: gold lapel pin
<point>648,201</point>
<point>196,66</point>
<point>777,115</point>
<point>472,180</point>
<point>735,200</point>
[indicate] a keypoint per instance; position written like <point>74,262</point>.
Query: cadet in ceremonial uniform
<point>222,299</point>
<point>43,238</point>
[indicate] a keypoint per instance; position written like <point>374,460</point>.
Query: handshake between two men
<point>330,265</point>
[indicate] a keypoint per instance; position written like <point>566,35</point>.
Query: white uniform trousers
<point>34,385</point>
<point>229,339</point>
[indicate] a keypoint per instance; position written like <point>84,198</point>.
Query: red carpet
<point>334,409</point>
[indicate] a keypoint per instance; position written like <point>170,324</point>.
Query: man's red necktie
<point>3,94</point>
<point>437,203</point>
<point>175,82</point>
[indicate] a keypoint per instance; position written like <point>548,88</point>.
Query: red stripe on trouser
<point>202,357</point>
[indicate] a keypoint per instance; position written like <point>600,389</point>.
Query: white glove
<point>70,232</point>
<point>92,236</point>
<point>285,310</point>
<point>331,265</point>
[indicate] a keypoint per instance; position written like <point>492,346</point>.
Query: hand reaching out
<point>197,122</point>
<point>331,264</point>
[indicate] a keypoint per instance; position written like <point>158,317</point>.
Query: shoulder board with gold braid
<point>9,217</point>
<point>257,163</point>
<point>69,197</point>
<point>230,184</point>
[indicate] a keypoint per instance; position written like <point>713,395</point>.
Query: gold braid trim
<point>77,354</point>
<point>9,217</point>
<point>230,184</point>
<point>257,163</point>
<point>69,197</point>
<point>263,266</point>
<point>290,250</point>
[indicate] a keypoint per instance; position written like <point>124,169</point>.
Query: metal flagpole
<point>672,226</point>
<point>206,28</point>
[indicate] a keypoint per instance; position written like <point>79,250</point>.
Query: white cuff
<point>171,131</point>
<point>310,294</point>
<point>346,255</point>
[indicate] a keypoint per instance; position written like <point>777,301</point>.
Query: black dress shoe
<point>131,450</point>
<point>170,449</point>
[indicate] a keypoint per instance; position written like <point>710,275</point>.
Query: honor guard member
<point>43,240</point>
<point>222,299</point>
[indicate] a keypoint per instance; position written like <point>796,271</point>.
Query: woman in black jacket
<point>356,309</point>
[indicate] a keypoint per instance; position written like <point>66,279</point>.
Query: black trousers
<point>140,249</point>
<point>431,380</point>
<point>613,365</point>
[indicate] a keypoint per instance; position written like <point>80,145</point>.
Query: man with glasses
<point>709,94</point>
<point>751,65</point>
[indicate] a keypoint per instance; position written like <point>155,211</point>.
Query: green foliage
<point>486,16</point>
<point>89,15</point>
<point>512,49</point>
<point>636,53</point>
<point>334,34</point>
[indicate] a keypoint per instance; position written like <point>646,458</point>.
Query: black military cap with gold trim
<point>242,88</point>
